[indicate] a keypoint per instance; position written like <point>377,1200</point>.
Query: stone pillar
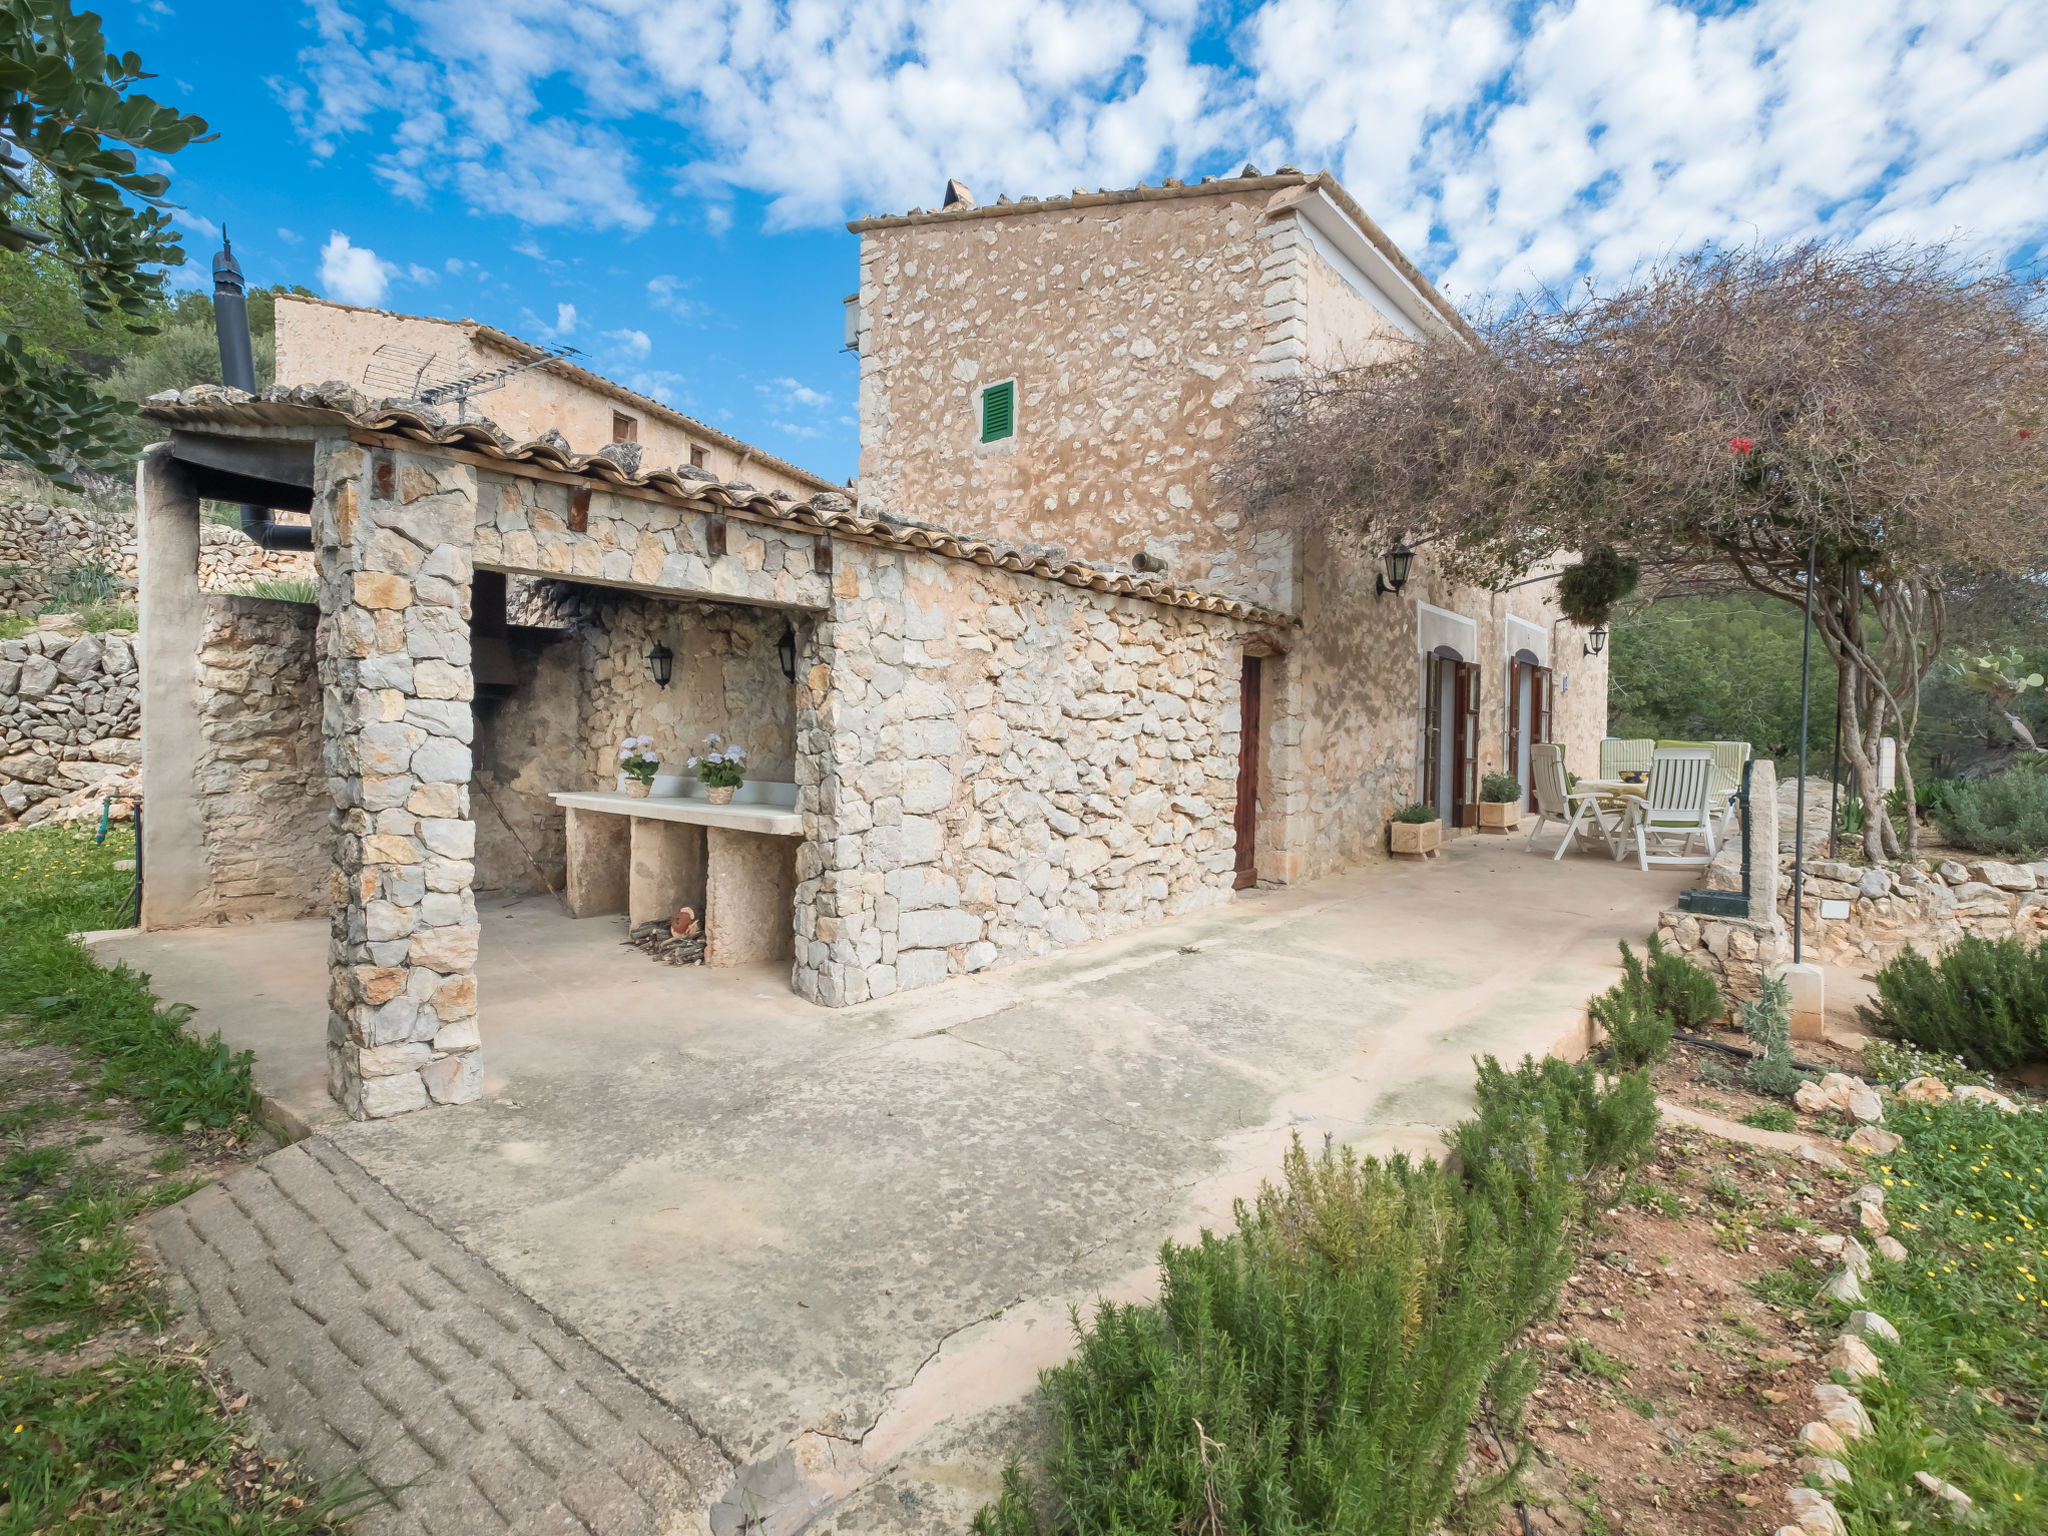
<point>171,627</point>
<point>393,533</point>
<point>1761,853</point>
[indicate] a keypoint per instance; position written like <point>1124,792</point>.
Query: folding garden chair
<point>1676,807</point>
<point>1583,814</point>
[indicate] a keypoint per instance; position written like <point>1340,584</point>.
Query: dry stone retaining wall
<point>41,539</point>
<point>69,713</point>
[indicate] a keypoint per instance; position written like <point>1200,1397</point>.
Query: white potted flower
<point>720,769</point>
<point>638,764</point>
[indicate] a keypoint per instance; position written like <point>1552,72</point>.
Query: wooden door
<point>1432,733</point>
<point>1465,778</point>
<point>1511,760</point>
<point>1248,733</point>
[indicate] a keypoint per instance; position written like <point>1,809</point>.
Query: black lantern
<point>1596,642</point>
<point>1399,559</point>
<point>661,661</point>
<point>786,649</point>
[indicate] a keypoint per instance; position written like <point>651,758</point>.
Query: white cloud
<point>352,273</point>
<point>1500,143</point>
<point>422,275</point>
<point>666,293</point>
<point>631,343</point>
<point>565,323</point>
<point>453,266</point>
<point>289,237</point>
<point>195,223</point>
<point>793,392</point>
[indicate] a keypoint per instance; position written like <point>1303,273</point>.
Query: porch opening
<point>1528,718</point>
<point>1450,736</point>
<point>670,874</point>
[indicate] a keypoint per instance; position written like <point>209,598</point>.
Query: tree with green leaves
<point>71,193</point>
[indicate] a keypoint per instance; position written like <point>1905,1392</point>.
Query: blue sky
<point>663,183</point>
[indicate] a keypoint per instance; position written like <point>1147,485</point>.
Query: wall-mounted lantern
<point>1596,641</point>
<point>1399,560</point>
<point>661,661</point>
<point>785,649</point>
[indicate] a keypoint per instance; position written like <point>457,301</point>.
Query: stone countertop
<point>773,820</point>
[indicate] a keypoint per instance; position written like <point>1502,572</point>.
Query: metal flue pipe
<point>238,371</point>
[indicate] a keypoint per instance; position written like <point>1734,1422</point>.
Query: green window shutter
<point>998,411</point>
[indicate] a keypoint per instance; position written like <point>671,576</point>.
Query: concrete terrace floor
<point>855,1235</point>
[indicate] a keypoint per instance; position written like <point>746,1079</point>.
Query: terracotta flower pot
<point>638,789</point>
<point>1415,839</point>
<point>1501,816</point>
<point>719,794</point>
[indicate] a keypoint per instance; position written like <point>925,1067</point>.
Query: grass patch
<point>1963,1388</point>
<point>55,881</point>
<point>142,1445</point>
<point>1772,1117</point>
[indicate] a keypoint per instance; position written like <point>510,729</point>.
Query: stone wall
<point>1741,951</point>
<point>69,713</point>
<point>263,791</point>
<point>996,766</point>
<point>528,744</point>
<point>727,681</point>
<point>319,341</point>
<point>44,534</point>
<point>1929,905</point>
<point>394,532</point>
<point>1133,330</point>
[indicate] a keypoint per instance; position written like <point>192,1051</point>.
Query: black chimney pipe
<point>238,371</point>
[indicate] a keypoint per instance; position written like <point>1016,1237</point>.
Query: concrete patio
<point>843,1243</point>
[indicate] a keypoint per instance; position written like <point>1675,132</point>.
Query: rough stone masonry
<point>393,533</point>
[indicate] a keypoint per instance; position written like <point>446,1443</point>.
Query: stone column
<point>171,625</point>
<point>394,532</point>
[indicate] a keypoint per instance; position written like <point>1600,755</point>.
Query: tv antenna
<point>407,373</point>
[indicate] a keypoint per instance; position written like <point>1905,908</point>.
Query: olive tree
<point>1734,418</point>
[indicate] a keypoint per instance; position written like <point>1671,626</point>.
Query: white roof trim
<point>1522,635</point>
<point>1440,626</point>
<point>1359,262</point>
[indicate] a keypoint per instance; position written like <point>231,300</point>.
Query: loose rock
<point>1843,1410</point>
<point>1816,1513</point>
<point>1871,1325</point>
<point>1874,1139</point>
<point>1852,1357</point>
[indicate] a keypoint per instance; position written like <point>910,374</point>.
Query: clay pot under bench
<point>719,794</point>
<point>1415,839</point>
<point>1502,816</point>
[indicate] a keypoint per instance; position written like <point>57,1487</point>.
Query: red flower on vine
<point>1741,445</point>
<point>2026,432</point>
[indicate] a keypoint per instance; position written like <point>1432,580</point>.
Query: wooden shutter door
<point>1539,708</point>
<point>1512,762</point>
<point>1465,789</point>
<point>1248,774</point>
<point>1432,732</point>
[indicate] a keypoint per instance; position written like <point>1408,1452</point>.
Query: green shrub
<point>1691,996</point>
<point>1317,1369</point>
<point>2006,814</point>
<point>280,589</point>
<point>1500,789</point>
<point>1638,1031</point>
<point>1588,591</point>
<point>1772,1117</point>
<point>1768,1023</point>
<point>1986,1001</point>
<point>1415,814</point>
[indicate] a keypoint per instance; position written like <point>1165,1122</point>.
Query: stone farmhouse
<point>1036,683</point>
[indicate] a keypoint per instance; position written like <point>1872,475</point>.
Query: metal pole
<point>1799,819</point>
<point>1835,768</point>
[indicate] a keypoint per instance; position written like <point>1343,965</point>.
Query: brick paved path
<point>371,1343</point>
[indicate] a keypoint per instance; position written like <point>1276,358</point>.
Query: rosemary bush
<point>1317,1368</point>
<point>1986,1001</point>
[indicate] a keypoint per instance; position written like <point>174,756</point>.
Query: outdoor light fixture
<point>786,649</point>
<point>661,661</point>
<point>1596,642</point>
<point>1398,561</point>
